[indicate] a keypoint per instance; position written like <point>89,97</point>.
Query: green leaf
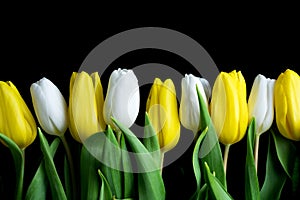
<point>38,187</point>
<point>217,190</point>
<point>111,167</point>
<point>286,152</point>
<point>196,164</point>
<point>210,151</point>
<point>251,180</point>
<point>57,189</point>
<point>150,182</point>
<point>201,194</point>
<point>296,177</point>
<point>18,157</point>
<point>128,178</point>
<point>275,176</point>
<point>204,114</point>
<point>105,192</point>
<point>89,180</point>
<point>150,139</point>
<point>67,177</point>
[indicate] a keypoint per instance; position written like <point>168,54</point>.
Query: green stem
<point>162,155</point>
<point>225,159</point>
<point>256,151</point>
<point>19,195</point>
<point>119,134</point>
<point>71,164</point>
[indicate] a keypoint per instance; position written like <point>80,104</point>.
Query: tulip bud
<point>163,113</point>
<point>261,103</point>
<point>122,100</point>
<point>229,111</point>
<point>50,107</point>
<point>85,105</point>
<point>287,104</point>
<point>16,120</point>
<point>189,110</point>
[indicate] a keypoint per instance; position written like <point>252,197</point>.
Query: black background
<point>35,46</point>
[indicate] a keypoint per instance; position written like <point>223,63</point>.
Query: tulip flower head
<point>85,105</point>
<point>50,107</point>
<point>261,103</point>
<point>287,104</point>
<point>122,100</point>
<point>163,113</point>
<point>229,111</point>
<point>16,120</point>
<point>189,110</point>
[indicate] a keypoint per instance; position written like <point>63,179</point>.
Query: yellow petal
<point>83,107</point>
<point>287,104</point>
<point>171,128</point>
<point>243,108</point>
<point>218,104</point>
<point>99,99</point>
<point>281,106</point>
<point>153,108</point>
<point>16,120</point>
<point>229,107</point>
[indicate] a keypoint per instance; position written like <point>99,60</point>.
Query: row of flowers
<point>88,112</point>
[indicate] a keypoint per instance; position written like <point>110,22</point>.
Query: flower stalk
<point>225,159</point>
<point>71,165</point>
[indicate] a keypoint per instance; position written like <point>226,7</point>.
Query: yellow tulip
<point>229,111</point>
<point>287,104</point>
<point>85,105</point>
<point>163,113</point>
<point>16,120</point>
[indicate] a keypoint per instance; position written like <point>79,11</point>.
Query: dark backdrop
<point>33,48</point>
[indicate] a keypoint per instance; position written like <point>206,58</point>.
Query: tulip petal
<point>206,87</point>
<point>218,104</point>
<point>189,110</point>
<point>83,107</point>
<point>287,104</point>
<point>99,98</point>
<point>293,96</point>
<point>171,129</point>
<point>16,120</point>
<point>269,117</point>
<point>153,108</point>
<point>123,98</point>
<point>229,107</point>
<point>258,102</point>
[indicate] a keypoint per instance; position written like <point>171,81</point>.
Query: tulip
<point>287,104</point>
<point>189,110</point>
<point>163,113</point>
<point>122,100</point>
<point>229,110</point>
<point>16,120</point>
<point>85,105</point>
<point>261,103</point>
<point>50,107</point>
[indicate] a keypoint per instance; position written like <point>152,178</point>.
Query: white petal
<point>123,99</point>
<point>257,103</point>
<point>189,111</point>
<point>206,87</point>
<point>269,117</point>
<point>52,106</point>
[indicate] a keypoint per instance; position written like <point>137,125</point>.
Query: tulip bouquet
<point>104,159</point>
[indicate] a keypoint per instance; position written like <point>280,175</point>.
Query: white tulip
<point>122,99</point>
<point>189,111</point>
<point>50,107</point>
<point>261,103</point>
